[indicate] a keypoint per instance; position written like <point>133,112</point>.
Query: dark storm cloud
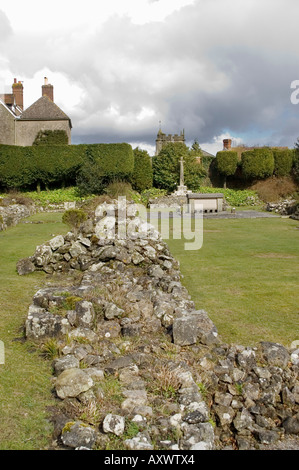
<point>211,67</point>
<point>257,95</point>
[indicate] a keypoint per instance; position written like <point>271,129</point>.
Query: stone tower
<point>163,139</point>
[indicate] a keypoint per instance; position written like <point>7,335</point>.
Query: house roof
<point>14,110</point>
<point>206,154</point>
<point>44,110</point>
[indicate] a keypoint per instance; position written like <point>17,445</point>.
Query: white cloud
<point>58,15</point>
<point>206,66</point>
<point>216,143</point>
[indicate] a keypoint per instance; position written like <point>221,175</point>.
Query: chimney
<point>47,89</point>
<point>227,144</point>
<point>17,91</point>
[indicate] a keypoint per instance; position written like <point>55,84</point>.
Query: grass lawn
<point>25,376</point>
<point>246,276</point>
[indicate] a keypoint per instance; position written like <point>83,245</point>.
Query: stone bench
<point>208,202</point>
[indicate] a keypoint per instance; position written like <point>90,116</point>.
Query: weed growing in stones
<point>51,349</point>
<point>165,384</point>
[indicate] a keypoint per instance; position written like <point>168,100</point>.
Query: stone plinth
<point>209,202</point>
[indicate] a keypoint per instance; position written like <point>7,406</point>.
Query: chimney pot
<point>227,144</point>
<point>17,92</point>
<point>47,89</point>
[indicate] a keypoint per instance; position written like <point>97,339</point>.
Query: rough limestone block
<point>192,327</point>
<point>56,242</point>
<point>25,266</point>
<point>72,382</point>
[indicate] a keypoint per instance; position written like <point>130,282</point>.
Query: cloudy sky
<point>215,68</point>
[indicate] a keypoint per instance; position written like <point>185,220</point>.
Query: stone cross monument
<point>181,171</point>
<point>182,189</point>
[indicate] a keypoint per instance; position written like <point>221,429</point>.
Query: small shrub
<point>74,217</point>
<point>118,188</point>
<point>152,193</point>
<point>89,205</point>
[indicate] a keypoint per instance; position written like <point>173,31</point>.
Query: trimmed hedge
<point>227,161</point>
<point>283,161</point>
<point>103,164</point>
<point>257,163</point>
<point>142,177</point>
<point>59,165</point>
<point>115,160</point>
<point>16,169</point>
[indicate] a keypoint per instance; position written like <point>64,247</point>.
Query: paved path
<point>240,215</point>
<point>248,214</point>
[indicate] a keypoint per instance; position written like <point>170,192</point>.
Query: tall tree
<point>166,168</point>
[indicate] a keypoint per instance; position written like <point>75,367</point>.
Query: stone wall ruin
<point>119,311</point>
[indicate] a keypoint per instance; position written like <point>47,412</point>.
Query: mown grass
<point>25,376</point>
<point>246,277</point>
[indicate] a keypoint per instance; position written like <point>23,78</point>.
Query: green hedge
<point>111,159</point>
<point>283,161</point>
<point>59,165</point>
<point>103,164</point>
<point>15,166</point>
<point>142,176</point>
<point>227,161</point>
<point>257,163</point>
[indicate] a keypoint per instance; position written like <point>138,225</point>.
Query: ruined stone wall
<point>13,213</point>
<point>121,314</point>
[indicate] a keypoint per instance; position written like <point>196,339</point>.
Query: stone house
<point>19,126</point>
